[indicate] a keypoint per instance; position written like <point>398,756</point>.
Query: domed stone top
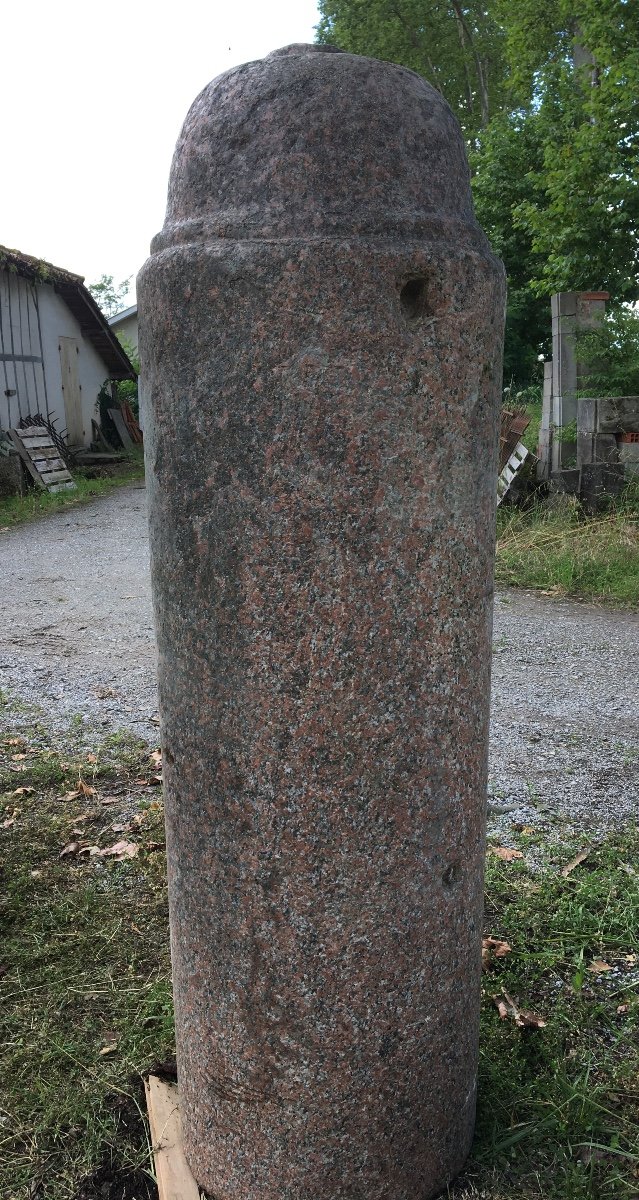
<point>312,142</point>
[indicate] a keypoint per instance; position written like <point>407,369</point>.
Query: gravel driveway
<point>76,638</point>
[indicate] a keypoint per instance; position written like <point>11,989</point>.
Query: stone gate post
<point>321,329</point>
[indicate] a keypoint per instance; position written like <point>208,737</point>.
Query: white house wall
<point>127,329</point>
<point>36,387</point>
<point>58,321</point>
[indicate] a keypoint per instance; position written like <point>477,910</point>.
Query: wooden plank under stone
<point>175,1181</point>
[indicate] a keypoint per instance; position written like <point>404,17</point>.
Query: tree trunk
<point>466,39</point>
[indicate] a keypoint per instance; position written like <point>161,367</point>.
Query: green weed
<point>85,968</point>
<point>558,1108</point>
<point>38,503</point>
<point>561,552</point>
<point>87,1001</point>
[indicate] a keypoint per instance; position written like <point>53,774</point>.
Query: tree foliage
<point>509,150</point>
<point>610,355</point>
<point>547,93</point>
<point>457,47</point>
<point>579,81</point>
<point>108,295</point>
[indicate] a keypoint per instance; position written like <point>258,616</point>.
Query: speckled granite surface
<point>321,325</point>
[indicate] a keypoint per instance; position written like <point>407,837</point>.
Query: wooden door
<point>71,390</point>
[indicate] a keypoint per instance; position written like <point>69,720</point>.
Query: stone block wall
<point>607,445</point>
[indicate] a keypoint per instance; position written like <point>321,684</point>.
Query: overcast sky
<point>92,98</point>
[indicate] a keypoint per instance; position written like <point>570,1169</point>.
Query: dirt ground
<point>76,638</point>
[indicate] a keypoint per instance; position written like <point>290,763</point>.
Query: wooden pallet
<point>42,458</point>
<point>174,1179</point>
<point>511,470</point>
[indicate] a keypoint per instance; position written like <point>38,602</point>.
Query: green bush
<point>611,356</point>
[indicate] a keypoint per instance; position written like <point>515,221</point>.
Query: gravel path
<point>76,639</point>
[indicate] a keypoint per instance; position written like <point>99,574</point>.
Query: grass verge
<point>558,1109</point>
<point>14,510</point>
<point>87,1006</point>
<point>556,549</point>
<point>84,968</point>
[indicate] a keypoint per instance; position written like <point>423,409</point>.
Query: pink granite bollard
<point>321,323</point>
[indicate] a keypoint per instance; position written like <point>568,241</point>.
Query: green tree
<point>457,47</point>
<point>610,354</point>
<point>127,389</point>
<point>578,78</point>
<point>547,93</point>
<point>509,152</point>
<point>108,295</point>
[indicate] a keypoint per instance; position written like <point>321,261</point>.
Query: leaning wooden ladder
<point>42,458</point>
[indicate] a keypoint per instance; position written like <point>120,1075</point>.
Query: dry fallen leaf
<point>505,853</point>
<point>622,1008</point>
<point>521,1016</point>
<point>70,848</point>
<point>108,1049</point>
<point>151,846</point>
<point>121,850</point>
<point>8,823</point>
<point>574,862</point>
<point>528,1020</point>
<point>597,966</point>
<point>92,758</point>
<point>22,791</point>
<point>18,757</point>
<point>493,948</point>
<point>16,742</point>
<point>85,789</point>
<point>631,959</point>
<point>156,758</point>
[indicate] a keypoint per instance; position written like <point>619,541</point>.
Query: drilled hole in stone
<point>451,875</point>
<point>414,298</point>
